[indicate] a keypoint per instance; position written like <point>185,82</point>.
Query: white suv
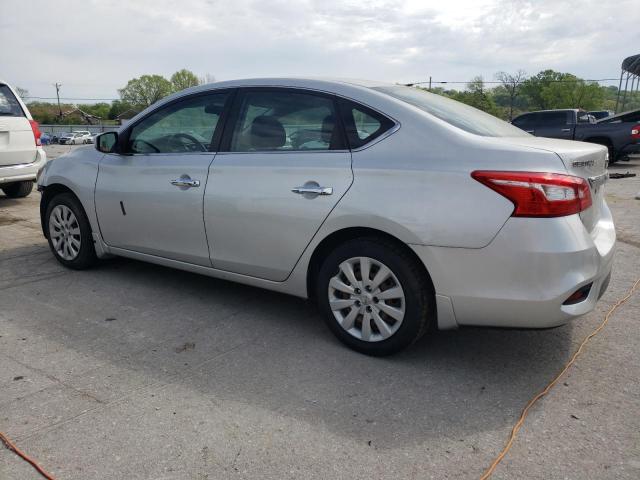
<point>21,155</point>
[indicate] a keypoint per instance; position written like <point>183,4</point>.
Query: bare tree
<point>207,78</point>
<point>512,83</point>
<point>22,92</point>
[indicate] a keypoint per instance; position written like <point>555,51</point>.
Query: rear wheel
<point>374,296</point>
<point>69,232</point>
<point>18,189</point>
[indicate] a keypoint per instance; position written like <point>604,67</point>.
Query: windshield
<point>455,113</point>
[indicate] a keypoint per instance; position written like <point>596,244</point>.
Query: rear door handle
<point>566,130</point>
<point>313,190</point>
<point>185,182</point>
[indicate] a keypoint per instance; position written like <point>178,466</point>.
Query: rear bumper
<point>523,277</point>
<point>25,171</point>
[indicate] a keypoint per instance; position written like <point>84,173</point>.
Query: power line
<point>498,82</point>
<point>430,82</point>
<point>69,98</point>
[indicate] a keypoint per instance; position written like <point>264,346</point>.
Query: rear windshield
<point>455,113</point>
<point>9,106</point>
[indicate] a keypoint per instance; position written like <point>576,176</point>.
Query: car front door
<point>282,168</point>
<point>149,196</point>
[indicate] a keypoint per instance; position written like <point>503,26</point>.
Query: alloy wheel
<point>64,231</point>
<point>366,299</point>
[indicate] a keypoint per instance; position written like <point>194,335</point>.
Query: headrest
<point>267,133</point>
<point>328,126</point>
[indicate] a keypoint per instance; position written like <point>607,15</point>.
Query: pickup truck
<point>619,133</point>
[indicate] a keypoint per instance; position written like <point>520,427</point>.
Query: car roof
<point>297,82</point>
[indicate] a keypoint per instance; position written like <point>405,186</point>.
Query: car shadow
<point>269,351</point>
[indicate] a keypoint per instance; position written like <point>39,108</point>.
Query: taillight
<point>635,132</point>
<point>537,194</point>
<point>36,131</point>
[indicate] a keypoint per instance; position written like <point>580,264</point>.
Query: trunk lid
<point>581,159</point>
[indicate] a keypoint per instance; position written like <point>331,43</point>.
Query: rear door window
<point>553,119</point>
<point>9,106</point>
<point>285,120</point>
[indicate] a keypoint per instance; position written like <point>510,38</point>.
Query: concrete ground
<point>135,371</point>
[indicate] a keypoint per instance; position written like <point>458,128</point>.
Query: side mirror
<point>106,142</point>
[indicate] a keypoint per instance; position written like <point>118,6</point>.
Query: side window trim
<point>234,118</point>
<point>123,139</point>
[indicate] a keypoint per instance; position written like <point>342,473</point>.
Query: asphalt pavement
<point>136,371</point>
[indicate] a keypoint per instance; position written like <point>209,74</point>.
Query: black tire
<point>18,189</point>
<point>417,286</point>
<point>86,256</point>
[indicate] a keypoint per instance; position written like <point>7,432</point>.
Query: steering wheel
<point>192,139</point>
<point>156,149</point>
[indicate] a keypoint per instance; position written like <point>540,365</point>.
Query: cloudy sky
<point>94,47</point>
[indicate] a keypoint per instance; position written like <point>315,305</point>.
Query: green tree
<point>184,79</point>
<point>100,110</point>
<point>119,107</point>
<point>550,89</point>
<point>478,96</point>
<point>146,90</point>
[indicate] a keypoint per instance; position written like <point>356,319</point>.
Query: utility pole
<point>429,82</point>
<point>58,85</point>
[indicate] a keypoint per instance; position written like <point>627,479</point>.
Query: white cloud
<point>94,47</point>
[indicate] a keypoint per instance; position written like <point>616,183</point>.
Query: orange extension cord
<point>514,430</point>
<point>525,411</point>
<point>25,457</point>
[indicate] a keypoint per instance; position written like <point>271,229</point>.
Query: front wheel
<point>69,232</point>
<point>375,296</point>
<point>17,189</point>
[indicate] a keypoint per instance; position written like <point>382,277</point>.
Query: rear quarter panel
<point>417,185</point>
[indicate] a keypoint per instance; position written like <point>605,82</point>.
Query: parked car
<point>85,136</point>
<point>45,139</point>
<point>600,114</point>
<point>394,210</point>
<point>21,153</point>
<point>55,138</point>
<point>576,124</point>
<point>73,138</point>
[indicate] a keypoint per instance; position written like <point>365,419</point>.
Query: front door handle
<point>185,182</point>
<point>313,190</point>
<point>565,130</point>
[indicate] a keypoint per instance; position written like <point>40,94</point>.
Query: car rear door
<point>17,143</point>
<point>283,166</point>
<point>149,198</point>
<point>553,124</point>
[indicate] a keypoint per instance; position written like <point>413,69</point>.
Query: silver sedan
<point>392,208</point>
